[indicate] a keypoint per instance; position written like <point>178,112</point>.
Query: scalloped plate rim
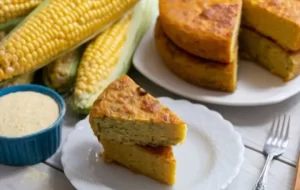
<point>229,126</point>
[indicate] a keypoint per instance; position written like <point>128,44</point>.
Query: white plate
<point>210,158</point>
<point>256,86</point>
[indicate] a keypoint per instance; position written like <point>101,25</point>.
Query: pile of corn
<point>80,46</point>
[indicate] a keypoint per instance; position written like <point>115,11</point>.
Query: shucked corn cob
<point>60,74</point>
<point>99,58</point>
<point>54,28</point>
<point>109,55</point>
<point>12,11</point>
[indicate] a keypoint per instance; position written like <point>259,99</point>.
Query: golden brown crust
<point>286,9</point>
<point>203,28</point>
<point>198,71</point>
<point>285,22</point>
<point>124,99</point>
<point>165,152</point>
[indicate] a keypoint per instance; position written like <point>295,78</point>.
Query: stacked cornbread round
<point>197,40</point>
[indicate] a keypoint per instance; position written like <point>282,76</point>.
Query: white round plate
<point>209,159</point>
<point>255,86</point>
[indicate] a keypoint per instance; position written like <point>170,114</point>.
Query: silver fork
<point>275,146</point>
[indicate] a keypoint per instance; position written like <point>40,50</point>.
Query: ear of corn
<point>54,28</point>
<point>26,78</point>
<point>108,56</point>
<point>60,74</point>
<point>12,12</point>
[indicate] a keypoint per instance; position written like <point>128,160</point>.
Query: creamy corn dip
<point>23,113</point>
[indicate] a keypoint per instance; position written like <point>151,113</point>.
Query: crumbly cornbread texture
<point>126,113</point>
<point>267,53</point>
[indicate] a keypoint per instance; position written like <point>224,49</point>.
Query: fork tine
<point>287,131</point>
<point>283,128</point>
<point>272,130</point>
<point>277,133</point>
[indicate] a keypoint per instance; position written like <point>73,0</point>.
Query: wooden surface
<point>253,124</point>
<point>297,178</point>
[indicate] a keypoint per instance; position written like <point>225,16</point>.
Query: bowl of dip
<point>30,124</point>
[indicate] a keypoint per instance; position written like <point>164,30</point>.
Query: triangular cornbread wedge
<point>158,163</point>
<point>205,28</point>
<point>126,113</point>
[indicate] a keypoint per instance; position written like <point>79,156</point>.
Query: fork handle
<point>261,184</point>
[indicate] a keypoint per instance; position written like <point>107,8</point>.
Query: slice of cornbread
<point>269,54</point>
<point>277,19</point>
<point>126,113</point>
<point>205,28</point>
<point>195,70</point>
<point>158,163</point>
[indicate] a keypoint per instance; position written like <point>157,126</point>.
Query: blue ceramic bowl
<point>37,147</point>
